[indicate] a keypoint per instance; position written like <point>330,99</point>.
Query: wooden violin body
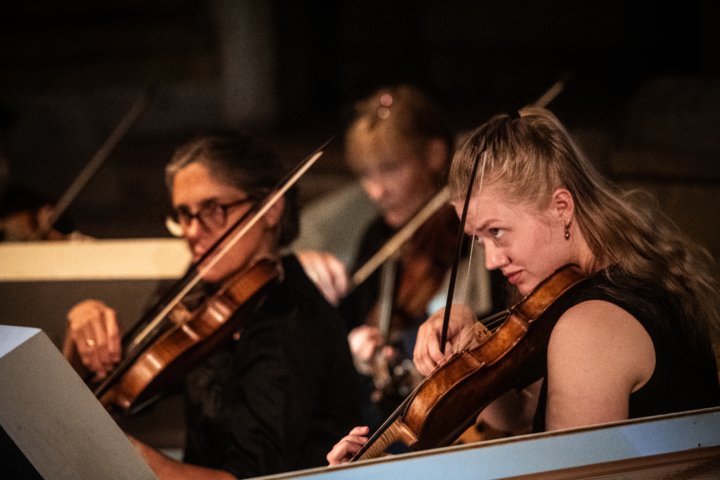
<point>452,397</point>
<point>188,338</point>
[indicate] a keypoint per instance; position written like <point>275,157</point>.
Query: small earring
<point>567,230</point>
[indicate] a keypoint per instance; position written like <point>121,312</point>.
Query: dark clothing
<point>685,376</point>
<point>282,395</point>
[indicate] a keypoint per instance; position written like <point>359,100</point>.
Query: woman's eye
<point>497,233</point>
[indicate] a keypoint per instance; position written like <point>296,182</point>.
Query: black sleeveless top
<point>685,376</point>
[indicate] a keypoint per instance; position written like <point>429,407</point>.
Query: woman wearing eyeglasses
<point>280,395</point>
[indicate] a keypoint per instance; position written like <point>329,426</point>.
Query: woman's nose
<point>193,229</point>
<point>494,258</point>
<point>375,189</point>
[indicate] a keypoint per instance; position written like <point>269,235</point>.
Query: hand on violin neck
<point>427,354</point>
<point>366,344</point>
<point>327,273</point>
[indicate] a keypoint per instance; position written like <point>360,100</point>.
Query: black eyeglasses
<point>211,215</point>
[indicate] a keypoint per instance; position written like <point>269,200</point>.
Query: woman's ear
<point>563,205</point>
<point>274,214</point>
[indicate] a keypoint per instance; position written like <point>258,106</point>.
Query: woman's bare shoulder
<point>598,355</point>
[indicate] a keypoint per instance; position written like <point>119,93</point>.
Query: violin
<point>171,338</point>
<point>145,373</point>
<point>454,394</point>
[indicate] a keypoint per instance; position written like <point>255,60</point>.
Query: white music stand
<point>54,419</point>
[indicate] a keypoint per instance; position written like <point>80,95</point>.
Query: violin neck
<point>387,296</point>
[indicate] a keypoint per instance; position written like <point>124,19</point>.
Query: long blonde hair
<point>533,155</point>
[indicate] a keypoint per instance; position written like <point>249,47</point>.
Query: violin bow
<point>542,102</point>
<point>96,161</point>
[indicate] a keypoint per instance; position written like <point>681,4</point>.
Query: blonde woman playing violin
<point>636,342</point>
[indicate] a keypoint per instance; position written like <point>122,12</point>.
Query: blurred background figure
<point>399,144</point>
<point>24,213</point>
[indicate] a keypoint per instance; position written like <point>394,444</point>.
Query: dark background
<point>643,96</point>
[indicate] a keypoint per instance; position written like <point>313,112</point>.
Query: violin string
<point>466,293</point>
<point>467,273</point>
<point>494,321</point>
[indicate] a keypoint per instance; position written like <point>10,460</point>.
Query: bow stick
<point>435,203</point>
<point>96,161</point>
